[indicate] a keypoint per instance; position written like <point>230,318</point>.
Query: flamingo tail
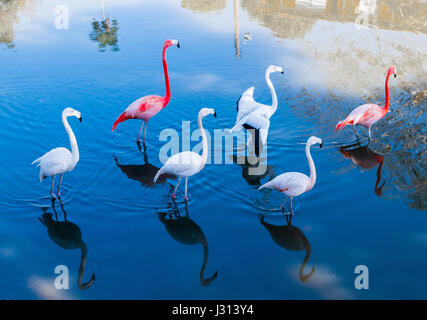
<point>342,124</point>
<point>158,174</point>
<point>121,118</point>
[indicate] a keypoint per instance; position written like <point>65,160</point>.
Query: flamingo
<point>255,116</point>
<point>147,107</point>
<point>367,114</point>
<point>188,163</point>
<point>60,160</point>
<point>293,184</point>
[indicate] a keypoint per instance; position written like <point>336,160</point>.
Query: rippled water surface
<point>369,203</point>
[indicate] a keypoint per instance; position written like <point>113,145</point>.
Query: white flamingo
<point>293,184</point>
<point>188,163</point>
<point>60,160</point>
<point>255,116</point>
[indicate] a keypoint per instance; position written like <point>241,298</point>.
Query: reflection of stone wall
<point>9,10</point>
<point>204,5</point>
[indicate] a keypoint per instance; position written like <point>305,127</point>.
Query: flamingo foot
<point>53,195</point>
<point>186,198</point>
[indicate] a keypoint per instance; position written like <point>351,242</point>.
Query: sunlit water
<point>372,214</point>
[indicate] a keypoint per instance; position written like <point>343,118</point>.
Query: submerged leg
<point>185,196</point>
<point>59,186</point>
<point>51,188</point>
<point>176,188</point>
<point>140,130</point>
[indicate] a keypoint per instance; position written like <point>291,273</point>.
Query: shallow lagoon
<point>332,64</point>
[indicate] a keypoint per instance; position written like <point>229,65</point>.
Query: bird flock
<point>251,115</point>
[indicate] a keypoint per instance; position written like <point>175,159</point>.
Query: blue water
<point>134,248</point>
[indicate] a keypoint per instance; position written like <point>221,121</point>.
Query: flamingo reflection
<point>365,158</point>
<point>67,235</point>
<point>184,230</point>
<point>143,173</point>
<point>290,237</point>
<point>253,171</point>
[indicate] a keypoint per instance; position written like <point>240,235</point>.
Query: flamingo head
<point>272,68</point>
<point>392,71</point>
<point>314,140</point>
<point>169,43</point>
<point>206,111</point>
<point>70,112</point>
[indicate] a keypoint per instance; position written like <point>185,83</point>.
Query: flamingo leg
<point>140,130</point>
<point>369,131</point>
<point>282,206</point>
<point>185,196</point>
<point>59,186</point>
<point>145,132</point>
<point>51,188</point>
<point>176,188</point>
<point>292,210</point>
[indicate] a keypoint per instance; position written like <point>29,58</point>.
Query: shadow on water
<point>184,230</point>
<point>143,173</point>
<point>291,238</point>
<point>365,158</point>
<point>67,235</point>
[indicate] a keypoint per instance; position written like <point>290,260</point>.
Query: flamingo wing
<point>183,164</point>
<point>56,161</point>
<point>290,183</point>
<point>144,108</point>
<point>364,115</point>
<point>246,104</point>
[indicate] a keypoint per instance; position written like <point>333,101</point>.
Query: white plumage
<point>256,116</point>
<point>60,160</point>
<point>293,184</point>
<point>186,164</point>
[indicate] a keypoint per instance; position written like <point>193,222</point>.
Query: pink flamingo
<point>366,115</point>
<point>147,107</point>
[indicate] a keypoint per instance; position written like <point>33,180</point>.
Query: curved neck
<point>387,98</point>
<point>83,258</point>
<point>165,69</point>
<point>73,141</point>
<point>312,167</point>
<point>272,91</point>
<point>303,277</point>
<point>203,281</point>
<point>204,140</point>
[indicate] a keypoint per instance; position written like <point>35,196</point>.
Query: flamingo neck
<point>204,141</point>
<point>273,107</point>
<point>387,97</point>
<point>312,167</point>
<point>165,69</point>
<point>73,141</point>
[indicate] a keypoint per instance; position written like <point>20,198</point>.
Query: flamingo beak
<point>283,72</point>
<point>80,119</point>
<point>214,114</point>
<point>178,45</point>
<point>321,145</point>
<point>395,74</point>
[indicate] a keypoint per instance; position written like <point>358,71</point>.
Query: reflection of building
<point>292,19</point>
<point>204,5</point>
